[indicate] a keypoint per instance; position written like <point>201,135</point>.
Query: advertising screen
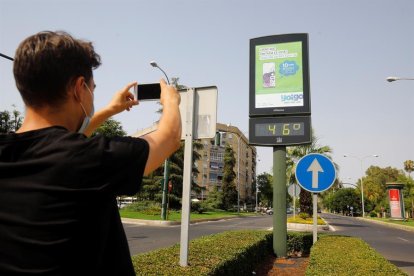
<point>279,75</point>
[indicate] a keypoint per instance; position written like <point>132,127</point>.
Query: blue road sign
<point>315,173</point>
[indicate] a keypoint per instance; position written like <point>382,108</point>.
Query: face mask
<point>87,118</point>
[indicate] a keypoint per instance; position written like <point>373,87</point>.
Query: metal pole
<point>315,217</point>
<point>165,189</point>
<point>279,202</point>
<point>238,174</point>
<point>188,161</point>
<point>362,191</point>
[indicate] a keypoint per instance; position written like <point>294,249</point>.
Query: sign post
<point>315,173</point>
<point>294,191</point>
<point>198,110</point>
<point>279,111</point>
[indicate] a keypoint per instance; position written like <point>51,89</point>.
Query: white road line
<point>403,239</point>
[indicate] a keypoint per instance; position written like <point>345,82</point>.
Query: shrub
<point>373,214</point>
<point>227,253</point>
<point>196,207</point>
<point>145,207</point>
<point>304,215</point>
<point>327,258</point>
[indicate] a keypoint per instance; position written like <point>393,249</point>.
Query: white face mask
<point>87,118</point>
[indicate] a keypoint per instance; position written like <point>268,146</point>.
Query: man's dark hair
<point>47,63</point>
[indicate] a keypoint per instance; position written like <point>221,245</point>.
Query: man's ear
<point>77,88</point>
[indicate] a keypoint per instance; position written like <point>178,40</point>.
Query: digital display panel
<point>283,130</point>
<point>280,129</point>
<point>279,75</point>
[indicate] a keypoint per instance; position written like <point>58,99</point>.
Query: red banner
<point>395,204</point>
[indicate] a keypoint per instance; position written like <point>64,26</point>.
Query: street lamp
<point>362,182</point>
<point>238,168</point>
<point>257,186</point>
<point>391,79</point>
<point>166,162</point>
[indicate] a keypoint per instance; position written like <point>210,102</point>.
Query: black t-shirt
<point>58,211</point>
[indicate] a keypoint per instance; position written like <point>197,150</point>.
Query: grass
<point>176,215</point>
<point>410,222</point>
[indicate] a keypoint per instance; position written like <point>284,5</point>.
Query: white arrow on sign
<point>315,168</point>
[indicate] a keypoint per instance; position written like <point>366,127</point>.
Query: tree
<point>228,187</point>
<point>343,199</point>
<point>110,128</point>
<point>374,181</point>
<point>10,121</point>
<point>409,166</point>
<point>293,156</point>
<point>265,184</point>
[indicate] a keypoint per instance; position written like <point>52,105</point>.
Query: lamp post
<point>391,79</point>
<point>361,159</point>
<point>238,167</point>
<point>166,163</point>
<point>257,186</point>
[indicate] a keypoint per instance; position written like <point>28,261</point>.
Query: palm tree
<point>293,156</point>
<point>409,166</point>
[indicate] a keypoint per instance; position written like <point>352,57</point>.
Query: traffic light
<point>217,139</point>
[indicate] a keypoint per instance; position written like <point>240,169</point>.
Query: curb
<point>169,223</point>
<point>306,227</point>
<point>392,225</point>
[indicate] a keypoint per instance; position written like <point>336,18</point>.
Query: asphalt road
<point>144,238</point>
<point>395,245</point>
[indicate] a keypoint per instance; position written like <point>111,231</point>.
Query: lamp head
<point>153,64</point>
<point>391,79</point>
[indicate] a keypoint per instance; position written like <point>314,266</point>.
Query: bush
<point>196,207</point>
<point>304,215</point>
<point>227,253</point>
<point>327,258</point>
<point>373,214</point>
<point>145,207</point>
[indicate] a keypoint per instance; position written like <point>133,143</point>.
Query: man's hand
<point>169,94</point>
<point>122,100</point>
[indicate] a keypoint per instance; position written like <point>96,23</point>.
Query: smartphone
<point>147,92</point>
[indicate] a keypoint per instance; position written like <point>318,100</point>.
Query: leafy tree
<point>228,187</point>
<point>265,184</point>
<point>375,186</point>
<point>10,121</point>
<point>293,156</point>
<point>343,199</point>
<point>214,199</point>
<point>110,128</point>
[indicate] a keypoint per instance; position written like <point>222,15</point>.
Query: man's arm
<point>123,100</point>
<point>166,139</point>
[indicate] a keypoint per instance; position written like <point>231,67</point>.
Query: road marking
<point>403,239</point>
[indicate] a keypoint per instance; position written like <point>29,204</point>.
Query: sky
<point>353,47</point>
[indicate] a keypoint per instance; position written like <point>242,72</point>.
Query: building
<point>211,163</point>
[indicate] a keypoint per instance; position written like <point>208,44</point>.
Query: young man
<point>58,188</point>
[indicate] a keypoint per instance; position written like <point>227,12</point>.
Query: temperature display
<point>283,130</point>
<point>280,129</point>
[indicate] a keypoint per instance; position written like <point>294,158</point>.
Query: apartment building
<point>211,163</point>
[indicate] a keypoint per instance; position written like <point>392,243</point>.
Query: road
<point>143,238</point>
<point>395,245</point>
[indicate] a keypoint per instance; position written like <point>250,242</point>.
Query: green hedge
<point>339,255</point>
<point>227,253</point>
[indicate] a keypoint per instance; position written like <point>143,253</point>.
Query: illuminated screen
<point>279,75</point>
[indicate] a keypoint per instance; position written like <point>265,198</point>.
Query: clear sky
<point>353,47</point>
